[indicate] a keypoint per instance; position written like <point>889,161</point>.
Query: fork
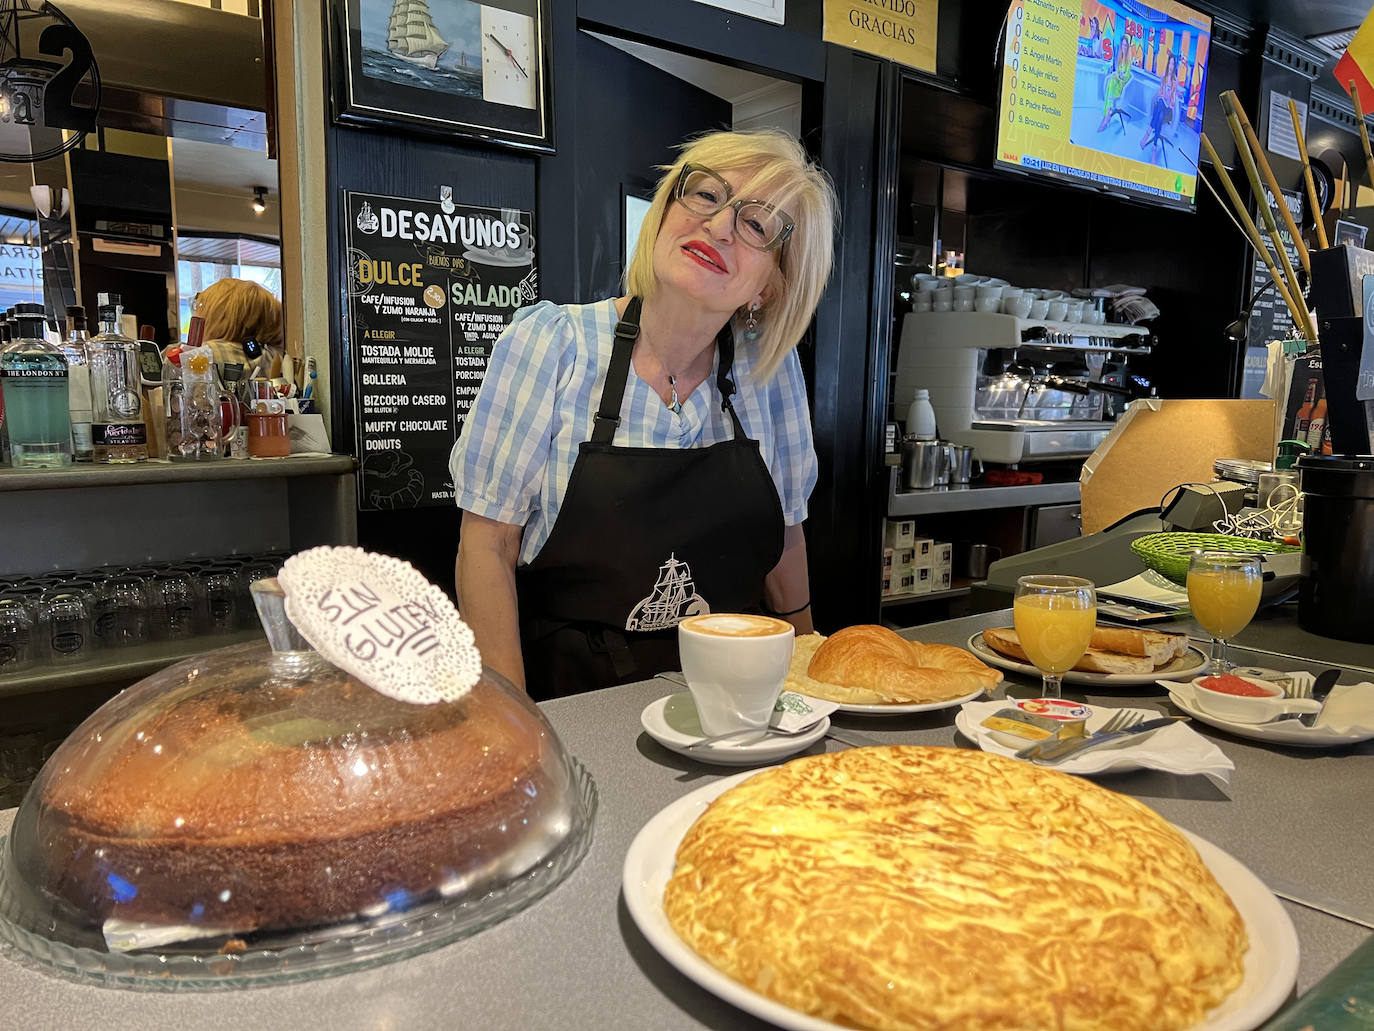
<point>1122,720</point>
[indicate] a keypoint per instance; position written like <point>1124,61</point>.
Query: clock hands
<point>509,54</point>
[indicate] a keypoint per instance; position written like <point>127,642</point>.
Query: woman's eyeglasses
<point>757,223</point>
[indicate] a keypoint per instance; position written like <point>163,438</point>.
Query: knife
<point>1320,690</point>
<point>1061,750</point>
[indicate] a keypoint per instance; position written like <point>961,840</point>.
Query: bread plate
<point>902,708</point>
<point>1189,664</point>
<point>1271,964</point>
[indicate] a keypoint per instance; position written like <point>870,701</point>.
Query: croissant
<point>877,660</point>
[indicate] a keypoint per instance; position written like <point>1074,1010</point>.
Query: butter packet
<point>794,712</point>
<point>1016,727</point>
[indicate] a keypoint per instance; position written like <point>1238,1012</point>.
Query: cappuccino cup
<point>735,665</point>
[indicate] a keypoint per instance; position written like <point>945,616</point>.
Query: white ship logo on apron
<point>674,598</point>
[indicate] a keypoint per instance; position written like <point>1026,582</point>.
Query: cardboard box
<point>924,581</point>
<point>899,533</point>
<point>899,583</point>
<point>924,547</point>
<point>943,579</point>
<point>943,553</point>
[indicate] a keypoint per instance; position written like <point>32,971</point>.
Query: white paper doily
<point>379,619</point>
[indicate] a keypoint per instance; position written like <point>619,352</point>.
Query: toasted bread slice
<point>1005,641</point>
<point>1159,648</point>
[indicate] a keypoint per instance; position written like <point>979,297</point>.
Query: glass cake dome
<point>258,814</point>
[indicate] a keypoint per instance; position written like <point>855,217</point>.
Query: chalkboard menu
<point>1269,318</point>
<point>431,285</point>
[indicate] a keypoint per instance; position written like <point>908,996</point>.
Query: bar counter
<point>1298,818</point>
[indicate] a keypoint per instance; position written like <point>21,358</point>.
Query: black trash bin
<point>1336,595</point>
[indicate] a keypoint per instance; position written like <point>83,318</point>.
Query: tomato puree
<point>1229,683</point>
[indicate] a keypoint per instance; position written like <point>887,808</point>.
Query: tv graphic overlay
<point>1111,100</point>
<point>431,285</point>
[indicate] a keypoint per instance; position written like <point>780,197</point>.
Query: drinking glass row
<point>61,618</point>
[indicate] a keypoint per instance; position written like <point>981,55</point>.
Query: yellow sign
<point>900,30</point>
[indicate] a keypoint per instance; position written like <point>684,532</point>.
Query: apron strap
<point>617,375</point>
<point>608,413</point>
<point>725,350</point>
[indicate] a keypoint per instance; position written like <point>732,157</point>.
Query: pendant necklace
<point>674,405</point>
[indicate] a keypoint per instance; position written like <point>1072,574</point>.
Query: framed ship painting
<point>445,67</point>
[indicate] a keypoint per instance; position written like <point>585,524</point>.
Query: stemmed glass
<point>1223,592</point>
<point>1055,617</point>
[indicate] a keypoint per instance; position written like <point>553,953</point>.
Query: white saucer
<point>1285,732</point>
<point>673,723</point>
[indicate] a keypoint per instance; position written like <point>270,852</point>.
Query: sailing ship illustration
<point>674,597</point>
<point>411,35</point>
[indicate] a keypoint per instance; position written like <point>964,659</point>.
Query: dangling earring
<point>751,324</point>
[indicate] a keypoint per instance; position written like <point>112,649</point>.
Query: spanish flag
<point>1357,64</point>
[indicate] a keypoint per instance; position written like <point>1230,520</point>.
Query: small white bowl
<point>987,304</point>
<point>965,293</point>
<point>985,291</point>
<point>1056,311</point>
<point>1243,708</point>
<point>1018,306</point>
<point>1038,309</point>
<point>942,303</point>
<point>963,304</point>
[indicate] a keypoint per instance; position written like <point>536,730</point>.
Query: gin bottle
<point>33,375</point>
<point>79,384</point>
<point>117,430</point>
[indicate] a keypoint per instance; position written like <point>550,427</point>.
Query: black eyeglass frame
<point>787,224</point>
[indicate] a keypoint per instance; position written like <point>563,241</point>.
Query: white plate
<point>1188,664</point>
<point>1271,964</point>
<point>899,709</point>
<point>1287,732</point>
<point>673,723</point>
<point>1175,749</point>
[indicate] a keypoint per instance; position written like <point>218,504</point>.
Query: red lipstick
<point>704,250</point>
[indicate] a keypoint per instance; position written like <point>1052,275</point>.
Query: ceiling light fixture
<point>259,199</point>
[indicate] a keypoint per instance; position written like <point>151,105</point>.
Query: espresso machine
<point>1019,390</point>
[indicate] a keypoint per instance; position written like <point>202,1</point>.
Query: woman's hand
<point>788,587</point>
<point>484,576</point>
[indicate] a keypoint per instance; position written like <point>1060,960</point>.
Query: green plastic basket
<point>1168,553</point>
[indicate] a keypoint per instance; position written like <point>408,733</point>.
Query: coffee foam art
<point>377,618</point>
<point>741,625</point>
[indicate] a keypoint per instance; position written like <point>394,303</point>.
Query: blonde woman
<point>236,311</point>
<point>635,460</point>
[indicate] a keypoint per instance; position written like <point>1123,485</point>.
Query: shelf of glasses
<point>163,471</point>
<point>114,664</point>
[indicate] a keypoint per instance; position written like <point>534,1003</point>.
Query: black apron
<point>645,537</point>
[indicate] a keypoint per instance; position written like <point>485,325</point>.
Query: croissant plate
<point>872,665</point>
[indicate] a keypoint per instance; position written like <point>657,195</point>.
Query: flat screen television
<point>1109,99</point>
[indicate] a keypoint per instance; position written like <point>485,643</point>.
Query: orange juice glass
<point>1054,617</point>
<point>1224,593</point>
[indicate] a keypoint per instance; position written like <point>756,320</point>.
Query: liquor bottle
<point>117,430</point>
<point>34,377</point>
<point>1305,411</point>
<point>79,384</point>
<point>1315,428</point>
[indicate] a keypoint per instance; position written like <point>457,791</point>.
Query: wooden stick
<point>1307,175</point>
<point>1345,188</point>
<point>1251,230</point>
<point>1247,161</point>
<point>1364,137</point>
<point>1272,180</point>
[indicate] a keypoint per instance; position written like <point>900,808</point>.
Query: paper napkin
<point>1174,749</point>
